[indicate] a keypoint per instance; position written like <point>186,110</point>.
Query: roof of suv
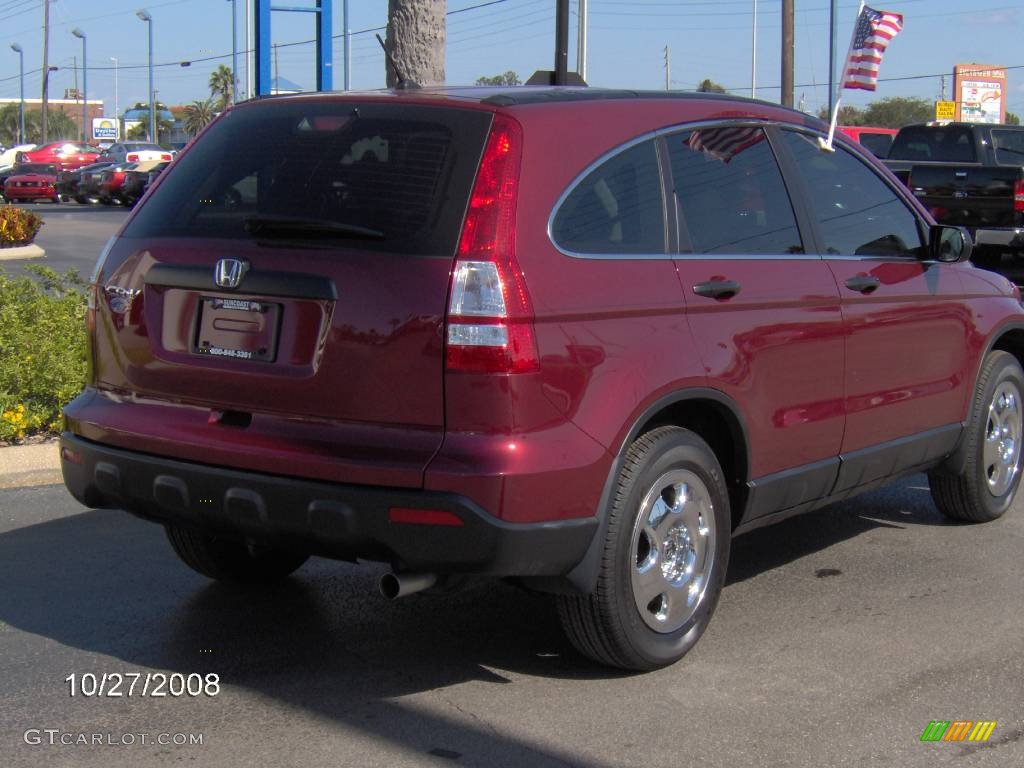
<point>533,94</point>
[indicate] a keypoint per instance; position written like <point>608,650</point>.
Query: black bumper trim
<point>336,520</point>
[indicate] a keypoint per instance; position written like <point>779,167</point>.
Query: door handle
<point>863,283</point>
<point>717,289</point>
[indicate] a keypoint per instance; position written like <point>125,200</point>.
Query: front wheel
<point>985,489</point>
<point>664,559</point>
<point>233,561</point>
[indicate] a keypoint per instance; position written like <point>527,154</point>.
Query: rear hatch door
<point>287,280</point>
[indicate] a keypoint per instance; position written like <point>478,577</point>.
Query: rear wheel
<point>985,489</point>
<point>664,559</point>
<point>227,560</point>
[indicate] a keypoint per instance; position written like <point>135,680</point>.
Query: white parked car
<point>8,155</point>
<point>137,152</point>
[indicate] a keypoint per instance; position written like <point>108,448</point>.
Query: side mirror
<point>949,244</point>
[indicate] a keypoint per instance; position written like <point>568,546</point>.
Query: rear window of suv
<point>385,177</point>
<point>952,144</point>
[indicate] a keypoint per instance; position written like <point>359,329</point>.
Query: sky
<point>626,44</point>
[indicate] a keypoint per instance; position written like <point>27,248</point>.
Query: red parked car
<point>425,329</point>
<point>877,140</point>
<point>28,184</point>
<point>64,154</point>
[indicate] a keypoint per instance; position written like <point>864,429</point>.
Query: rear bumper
<point>331,519</point>
<point>1005,237</point>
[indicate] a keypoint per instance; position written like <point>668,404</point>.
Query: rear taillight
<point>1018,196</point>
<point>165,157</point>
<point>132,157</point>
<point>489,325</point>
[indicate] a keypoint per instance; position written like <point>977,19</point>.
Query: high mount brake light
<point>490,316</point>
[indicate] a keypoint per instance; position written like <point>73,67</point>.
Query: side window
<point>856,211</point>
<point>1009,147</point>
<point>617,208</point>
<point>730,194</point>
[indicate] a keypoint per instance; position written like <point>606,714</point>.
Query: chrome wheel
<point>1001,454</point>
<point>673,550</point>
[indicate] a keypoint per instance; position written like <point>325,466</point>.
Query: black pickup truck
<point>971,175</point>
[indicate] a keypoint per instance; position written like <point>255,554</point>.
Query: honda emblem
<point>229,272</point>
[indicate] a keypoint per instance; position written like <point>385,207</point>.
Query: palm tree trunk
<point>416,39</point>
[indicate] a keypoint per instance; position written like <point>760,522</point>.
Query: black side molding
<point>287,284</point>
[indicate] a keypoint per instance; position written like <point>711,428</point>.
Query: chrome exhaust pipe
<point>396,585</point>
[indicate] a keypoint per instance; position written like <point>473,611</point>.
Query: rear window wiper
<point>288,226</point>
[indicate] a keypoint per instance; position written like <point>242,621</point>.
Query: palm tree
<point>61,126</point>
<point>222,86</point>
<point>198,114</point>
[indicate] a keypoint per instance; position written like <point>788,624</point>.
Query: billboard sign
<point>980,92</point>
<point>104,129</point>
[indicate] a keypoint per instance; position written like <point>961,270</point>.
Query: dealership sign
<point>104,128</point>
<point>980,92</point>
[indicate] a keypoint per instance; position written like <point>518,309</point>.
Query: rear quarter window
<point>403,171</point>
<point>617,208</point>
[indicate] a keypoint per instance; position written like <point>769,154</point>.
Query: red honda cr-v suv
<point>573,336</point>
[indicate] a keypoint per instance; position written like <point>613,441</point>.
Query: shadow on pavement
<point>106,583</point>
<point>907,504</point>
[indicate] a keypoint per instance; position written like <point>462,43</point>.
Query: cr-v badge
<point>229,272</point>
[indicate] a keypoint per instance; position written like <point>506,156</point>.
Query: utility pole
<point>832,30</point>
<point>248,51</point>
<point>277,72</point>
<point>347,48</point>
<point>943,88</point>
<point>753,55</point>
<point>117,112</point>
<point>668,79</point>
<point>581,41</point>
<point>46,70</point>
<point>561,41</point>
<point>787,53</point>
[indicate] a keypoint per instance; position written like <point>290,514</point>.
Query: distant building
<point>70,107</point>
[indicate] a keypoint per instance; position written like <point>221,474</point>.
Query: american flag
<point>724,143</point>
<point>874,31</point>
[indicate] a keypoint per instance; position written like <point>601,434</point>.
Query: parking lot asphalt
<point>838,638</point>
<point>72,236</point>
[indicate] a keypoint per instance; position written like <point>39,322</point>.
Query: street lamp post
<point>144,15</point>
<point>117,111</point>
<point>234,51</point>
<point>77,32</point>
<point>21,76</point>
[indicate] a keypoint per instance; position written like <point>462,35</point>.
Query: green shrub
<point>18,226</point>
<point>43,353</point>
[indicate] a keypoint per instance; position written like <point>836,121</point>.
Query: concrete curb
<point>31,251</point>
<point>25,465</point>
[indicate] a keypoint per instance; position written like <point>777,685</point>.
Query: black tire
<point>232,561</point>
<point>985,489</point>
<point>81,200</point>
<point>609,625</point>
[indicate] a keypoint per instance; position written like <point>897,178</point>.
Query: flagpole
<point>827,144</point>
